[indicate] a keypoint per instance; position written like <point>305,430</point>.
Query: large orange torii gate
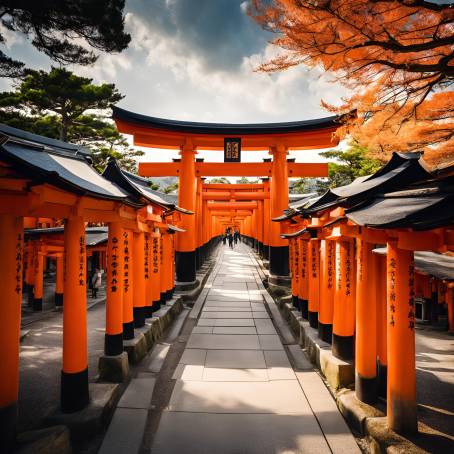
<point>189,137</point>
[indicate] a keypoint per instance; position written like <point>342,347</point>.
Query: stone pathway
<point>236,390</point>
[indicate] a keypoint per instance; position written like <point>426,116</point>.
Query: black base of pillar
<point>279,260</point>
<point>296,302</point>
<point>156,305</point>
<point>113,344</point>
<point>382,373</point>
<point>313,319</point>
<point>139,317</point>
<point>198,260</point>
<point>304,304</point>
<point>148,311</point>
<point>74,391</point>
<point>168,295</point>
<point>343,347</point>
<point>266,251</point>
<point>163,297</point>
<point>37,304</point>
<point>128,331</point>
<point>30,296</point>
<point>325,332</point>
<point>58,300</point>
<point>366,389</point>
<point>8,420</point>
<point>185,266</point>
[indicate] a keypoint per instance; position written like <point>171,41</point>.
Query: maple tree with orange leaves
<point>396,57</point>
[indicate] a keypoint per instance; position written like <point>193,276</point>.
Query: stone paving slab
<point>234,330</point>
<point>232,375</point>
<point>193,356</point>
<point>265,326</point>
<point>242,433</point>
<point>138,393</point>
<point>158,357</point>
<point>225,342</point>
<point>217,304</point>
<point>270,342</point>
<point>227,309</point>
<point>125,432</point>
<point>203,329</point>
<point>226,322</point>
<point>251,359</point>
<point>218,314</point>
<point>278,397</point>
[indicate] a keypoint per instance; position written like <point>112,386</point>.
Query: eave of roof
<point>224,128</point>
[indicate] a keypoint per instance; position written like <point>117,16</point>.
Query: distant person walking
<point>224,239</point>
<point>95,282</point>
<point>236,236</point>
<point>230,237</point>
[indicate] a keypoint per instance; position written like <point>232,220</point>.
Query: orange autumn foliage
<point>394,56</point>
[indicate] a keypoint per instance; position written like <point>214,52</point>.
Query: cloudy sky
<point>196,60</point>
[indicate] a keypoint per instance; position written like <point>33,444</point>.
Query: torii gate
<point>189,137</point>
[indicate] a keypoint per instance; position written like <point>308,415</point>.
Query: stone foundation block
<point>45,441</point>
<point>114,369</point>
<point>355,411</point>
<point>147,332</point>
<point>338,373</point>
<point>92,420</point>
<point>136,348</point>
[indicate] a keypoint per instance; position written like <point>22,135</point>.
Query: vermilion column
<point>294,265</point>
<point>128,286</point>
<point>29,254</point>
<point>382,325</point>
<point>113,341</point>
<point>266,218</point>
<point>147,260</point>
<point>260,226</point>
<point>366,324</point>
<point>198,222</point>
<point>278,203</point>
<point>167,267</point>
<point>11,245</point>
<point>450,304</point>
<point>155,268</point>
<point>74,376</point>
<point>38,287</point>
<point>344,302</point>
<point>139,279</point>
<point>186,242</point>
<point>305,265</point>
<point>401,393</point>
<point>162,280</point>
<point>327,289</point>
<point>59,280</point>
<point>314,282</point>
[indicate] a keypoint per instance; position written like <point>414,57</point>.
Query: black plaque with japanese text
<point>232,150</point>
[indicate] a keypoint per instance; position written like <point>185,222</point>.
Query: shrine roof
<point>138,187</point>
<point>57,163</point>
<point>93,235</point>
<point>402,170</point>
<point>223,128</point>
<point>434,264</point>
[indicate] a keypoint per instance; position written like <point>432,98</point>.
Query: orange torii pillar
<point>382,324</point>
<point>366,324</point>
<point>314,280</point>
<point>279,266</point>
<point>260,226</point>
<point>11,245</point>
<point>74,375</point>
<point>186,241</point>
<point>113,340</point>
<point>401,392</point>
<point>344,303</point>
<point>28,269</point>
<point>304,282</point>
<point>155,268</point>
<point>59,280</point>
<point>148,276</point>
<point>162,271</point>
<point>167,265</point>
<point>38,280</point>
<point>139,279</point>
<point>450,304</point>
<point>266,218</point>
<point>327,289</point>
<point>128,285</point>
<point>198,223</point>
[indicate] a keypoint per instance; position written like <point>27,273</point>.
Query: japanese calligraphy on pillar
<point>126,262</point>
<point>296,253</point>
<point>348,269</point>
<point>146,257</point>
<point>155,255</point>
<point>314,259</point>
<point>19,245</point>
<point>304,259</point>
<point>411,296</point>
<point>361,258</point>
<point>330,273</point>
<point>392,289</point>
<point>81,260</point>
<point>339,266</point>
<point>114,265</point>
<point>161,257</point>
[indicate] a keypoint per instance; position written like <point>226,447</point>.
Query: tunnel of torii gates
<point>248,207</point>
